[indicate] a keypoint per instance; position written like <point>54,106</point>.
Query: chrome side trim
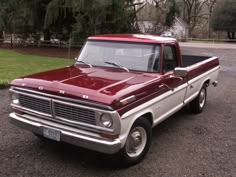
<point>101,106</point>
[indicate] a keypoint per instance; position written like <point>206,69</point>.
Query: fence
<point>40,43</point>
<point>208,40</point>
<point>14,43</point>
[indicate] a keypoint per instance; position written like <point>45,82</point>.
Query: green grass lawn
<point>14,65</point>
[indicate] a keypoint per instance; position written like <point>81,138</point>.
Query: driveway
<point>184,145</point>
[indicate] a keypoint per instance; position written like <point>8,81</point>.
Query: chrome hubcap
<point>136,142</point>
<point>202,98</point>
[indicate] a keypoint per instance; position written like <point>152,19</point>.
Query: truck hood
<point>103,85</point>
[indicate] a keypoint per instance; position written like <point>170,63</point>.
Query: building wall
<point>179,31</point>
<point>145,26</point>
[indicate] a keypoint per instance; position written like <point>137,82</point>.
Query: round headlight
<point>15,98</point>
<point>106,120</point>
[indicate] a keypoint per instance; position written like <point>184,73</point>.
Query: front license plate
<point>52,134</point>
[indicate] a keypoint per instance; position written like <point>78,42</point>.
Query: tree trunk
<point>47,35</point>
<point>1,35</point>
<point>209,24</point>
<point>229,35</point>
<point>12,41</point>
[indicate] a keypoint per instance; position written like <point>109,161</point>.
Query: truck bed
<point>198,65</point>
<point>188,60</point>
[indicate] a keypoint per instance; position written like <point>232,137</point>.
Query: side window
<point>153,59</point>
<point>170,59</point>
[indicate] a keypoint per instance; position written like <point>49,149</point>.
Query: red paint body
<point>110,85</point>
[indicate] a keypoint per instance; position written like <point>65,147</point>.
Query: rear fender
<point>205,82</point>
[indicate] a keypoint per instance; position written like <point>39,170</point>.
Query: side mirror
<point>181,72</point>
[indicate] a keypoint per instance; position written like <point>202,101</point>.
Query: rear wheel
<point>198,104</point>
<point>137,143</point>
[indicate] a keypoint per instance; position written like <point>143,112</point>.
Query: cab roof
<point>142,38</point>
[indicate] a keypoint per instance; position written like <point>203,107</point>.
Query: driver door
<point>175,87</point>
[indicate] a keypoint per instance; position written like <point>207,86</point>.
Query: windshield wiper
<point>83,62</point>
<point>117,65</point>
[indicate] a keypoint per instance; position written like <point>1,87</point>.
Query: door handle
<point>177,77</point>
<point>165,85</point>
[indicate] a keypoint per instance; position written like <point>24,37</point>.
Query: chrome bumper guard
<point>70,135</point>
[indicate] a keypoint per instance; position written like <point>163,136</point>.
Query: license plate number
<point>52,134</point>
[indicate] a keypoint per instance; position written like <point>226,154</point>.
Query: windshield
<point>128,56</point>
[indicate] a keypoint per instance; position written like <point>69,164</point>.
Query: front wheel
<point>137,143</point>
<point>198,104</point>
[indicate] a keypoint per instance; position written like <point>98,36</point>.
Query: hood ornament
<point>40,88</point>
<point>61,91</point>
<point>85,96</point>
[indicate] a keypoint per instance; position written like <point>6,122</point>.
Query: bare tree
<point>136,6</point>
<point>192,12</point>
<point>162,8</point>
<point>210,5</point>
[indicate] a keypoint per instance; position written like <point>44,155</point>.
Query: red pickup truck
<point>118,89</point>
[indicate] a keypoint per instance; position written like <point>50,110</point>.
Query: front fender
<point>128,119</point>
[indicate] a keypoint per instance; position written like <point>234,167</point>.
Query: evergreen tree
<point>59,18</point>
<point>224,17</point>
<point>170,17</point>
<point>103,16</point>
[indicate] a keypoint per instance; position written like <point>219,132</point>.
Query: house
<point>179,29</point>
<point>147,18</point>
<point>150,21</point>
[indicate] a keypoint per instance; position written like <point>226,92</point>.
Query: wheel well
<point>149,117</point>
<point>207,82</point>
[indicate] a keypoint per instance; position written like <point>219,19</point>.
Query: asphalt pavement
<point>185,145</point>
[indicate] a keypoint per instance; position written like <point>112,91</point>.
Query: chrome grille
<point>74,113</point>
<point>35,104</point>
<point>57,110</point>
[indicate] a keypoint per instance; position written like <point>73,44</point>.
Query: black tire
<point>199,103</point>
<point>141,128</point>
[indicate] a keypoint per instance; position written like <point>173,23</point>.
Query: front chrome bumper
<point>88,140</point>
